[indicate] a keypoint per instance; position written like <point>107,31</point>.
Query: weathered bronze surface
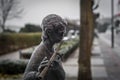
<point>53,27</point>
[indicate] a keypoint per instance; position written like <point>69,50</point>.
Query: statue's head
<point>53,27</point>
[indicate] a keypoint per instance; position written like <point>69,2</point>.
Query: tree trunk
<point>3,27</point>
<point>86,34</point>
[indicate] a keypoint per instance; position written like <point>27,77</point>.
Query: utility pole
<point>112,23</point>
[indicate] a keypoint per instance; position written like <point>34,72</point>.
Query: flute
<point>44,71</point>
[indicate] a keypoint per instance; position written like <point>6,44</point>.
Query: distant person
<point>117,26</point>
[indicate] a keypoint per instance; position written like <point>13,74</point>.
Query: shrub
<point>12,67</point>
<point>66,49</point>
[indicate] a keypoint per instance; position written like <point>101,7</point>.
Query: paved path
<point>16,55</point>
<point>71,66</point>
<point>111,59</point>
<point>97,63</point>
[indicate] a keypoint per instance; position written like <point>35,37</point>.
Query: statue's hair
<point>49,21</point>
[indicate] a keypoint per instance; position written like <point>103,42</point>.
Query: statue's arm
<point>31,76</point>
<point>61,72</point>
<point>58,69</point>
<point>33,66</point>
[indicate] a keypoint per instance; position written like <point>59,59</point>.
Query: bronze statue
<point>53,27</point>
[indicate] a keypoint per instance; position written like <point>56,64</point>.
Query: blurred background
<point>20,33</point>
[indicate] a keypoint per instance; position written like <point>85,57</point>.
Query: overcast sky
<point>36,10</point>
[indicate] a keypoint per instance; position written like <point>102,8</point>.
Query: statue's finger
<point>45,58</point>
<point>44,62</point>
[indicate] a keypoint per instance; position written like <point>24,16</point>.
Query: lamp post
<point>112,22</point>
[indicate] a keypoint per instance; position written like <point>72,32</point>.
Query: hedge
<point>12,67</point>
<point>66,49</point>
<point>17,67</point>
<point>13,41</point>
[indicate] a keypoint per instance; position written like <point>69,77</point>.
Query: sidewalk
<point>111,59</point>
<point>71,66</point>
<point>97,63</point>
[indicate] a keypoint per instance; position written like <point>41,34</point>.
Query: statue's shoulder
<point>39,49</point>
<point>40,46</point>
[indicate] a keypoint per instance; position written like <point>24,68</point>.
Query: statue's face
<point>56,32</point>
<point>54,28</point>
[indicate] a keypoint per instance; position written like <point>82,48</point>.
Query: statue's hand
<point>53,65</point>
<point>43,64</point>
<point>56,62</point>
<point>58,57</point>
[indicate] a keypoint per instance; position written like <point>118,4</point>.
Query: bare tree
<point>9,9</point>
